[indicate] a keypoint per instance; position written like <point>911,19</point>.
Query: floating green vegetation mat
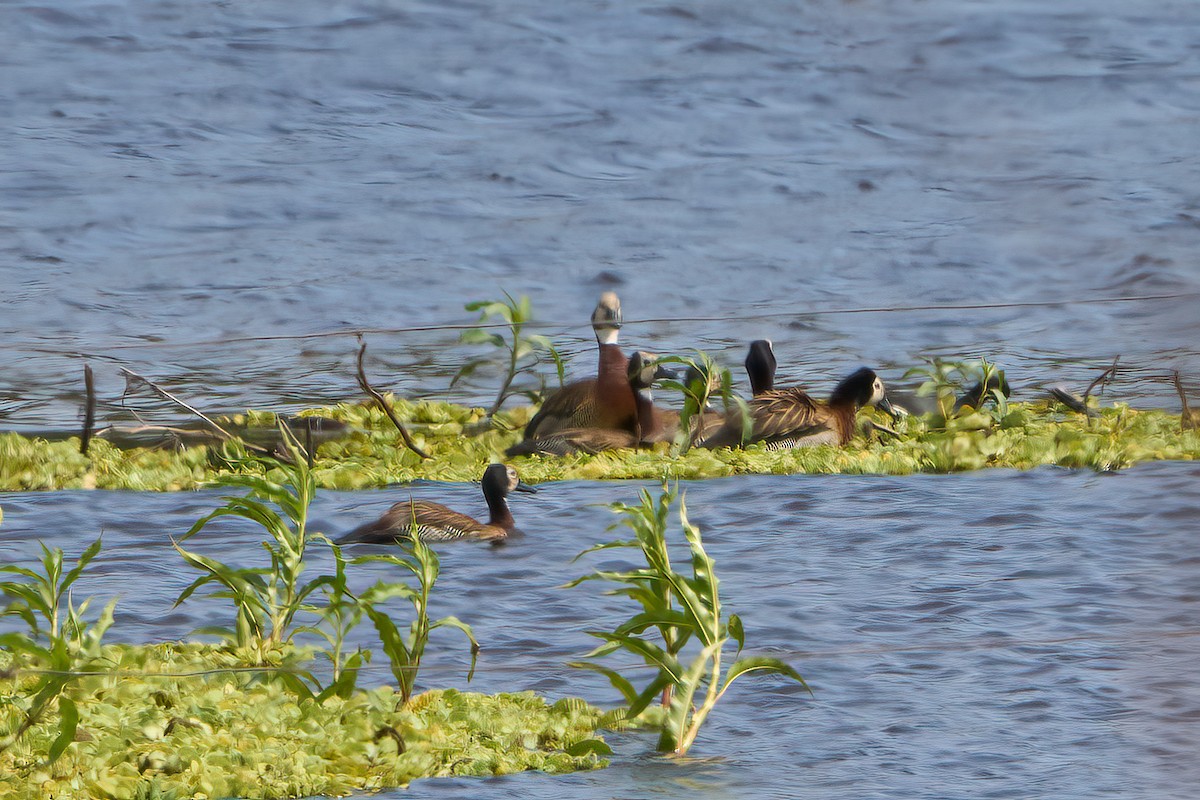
<point>462,442</point>
<point>144,734</point>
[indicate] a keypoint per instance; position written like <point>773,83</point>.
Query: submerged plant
<point>677,608</point>
<point>523,352</point>
<point>405,652</point>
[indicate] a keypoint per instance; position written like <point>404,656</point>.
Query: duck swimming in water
<point>436,523</point>
<point>642,371</point>
<point>784,418</point>
<point>606,401</point>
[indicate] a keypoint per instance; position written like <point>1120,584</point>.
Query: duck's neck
<point>498,513</point>
<point>612,383</point>
<point>761,382</point>
<point>844,397</point>
<point>613,365</point>
<point>650,423</point>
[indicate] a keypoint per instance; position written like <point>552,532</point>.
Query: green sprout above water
<point>266,601</point>
<point>405,652</point>
<point>956,385</point>
<point>676,609</point>
<point>60,642</point>
<point>522,352</point>
<point>702,381</point>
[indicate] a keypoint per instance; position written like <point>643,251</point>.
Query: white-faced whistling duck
<point>436,523</point>
<point>784,418</point>
<point>605,401</point>
<point>643,370</point>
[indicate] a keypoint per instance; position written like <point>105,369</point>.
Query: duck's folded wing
<point>775,415</point>
<point>572,406</point>
<point>434,522</point>
<point>786,414</point>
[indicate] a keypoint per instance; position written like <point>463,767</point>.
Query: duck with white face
<point>605,401</point>
<point>434,522</point>
<point>785,418</point>
<point>643,370</point>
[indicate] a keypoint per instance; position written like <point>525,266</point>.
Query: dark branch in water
<point>1188,419</point>
<point>89,410</point>
<point>384,404</point>
<point>1104,378</point>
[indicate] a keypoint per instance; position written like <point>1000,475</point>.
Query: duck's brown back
<point>434,523</point>
<point>784,418</point>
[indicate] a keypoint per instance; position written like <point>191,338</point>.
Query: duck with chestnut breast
<point>785,418</point>
<point>436,523</point>
<point>605,401</point>
<point>643,370</point>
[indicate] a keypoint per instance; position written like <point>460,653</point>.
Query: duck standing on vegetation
<point>436,523</point>
<point>606,401</point>
<point>784,418</point>
<point>641,373</point>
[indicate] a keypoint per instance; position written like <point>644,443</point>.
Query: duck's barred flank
<point>435,522</point>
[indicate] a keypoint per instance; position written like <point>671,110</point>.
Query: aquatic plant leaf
<point>652,653</point>
<point>618,681</point>
<point>455,622</point>
<point>733,627</point>
<point>19,642</point>
<point>651,693</point>
<point>467,370</point>
<point>478,336</point>
<point>589,747</point>
<point>659,617</point>
<point>87,555</point>
<point>764,664</point>
<point>296,685</point>
<point>68,722</point>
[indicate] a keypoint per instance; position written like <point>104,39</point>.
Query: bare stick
<point>383,403</point>
<point>163,393</point>
<point>221,432</point>
<point>89,410</point>
<point>1188,419</point>
<point>1102,378</point>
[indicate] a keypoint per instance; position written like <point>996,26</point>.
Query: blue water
<point>202,191</point>
<point>177,174</point>
<point>996,634</point>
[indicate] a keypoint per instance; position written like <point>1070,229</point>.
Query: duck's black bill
<point>891,410</point>
<point>522,486</point>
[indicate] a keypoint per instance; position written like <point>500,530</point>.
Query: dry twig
<point>383,403</point>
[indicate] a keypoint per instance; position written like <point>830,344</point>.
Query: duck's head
<point>502,479</point>
<point>862,388</point>
<point>760,366</point>
<point>606,319</point>
<point>645,368</point>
